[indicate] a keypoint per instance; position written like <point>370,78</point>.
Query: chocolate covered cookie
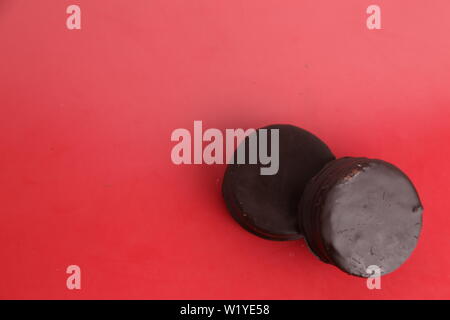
<point>358,212</point>
<point>266,204</point>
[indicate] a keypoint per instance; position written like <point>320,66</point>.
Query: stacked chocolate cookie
<point>353,212</point>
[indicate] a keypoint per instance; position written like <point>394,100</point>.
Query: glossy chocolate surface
<point>266,205</point>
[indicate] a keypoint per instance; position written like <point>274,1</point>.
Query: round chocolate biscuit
<point>359,212</point>
<point>265,202</point>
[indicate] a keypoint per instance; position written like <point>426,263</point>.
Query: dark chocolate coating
<point>266,205</point>
<point>358,212</point>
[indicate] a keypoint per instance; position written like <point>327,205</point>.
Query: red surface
<point>86,117</point>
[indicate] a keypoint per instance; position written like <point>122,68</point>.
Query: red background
<point>86,117</point>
